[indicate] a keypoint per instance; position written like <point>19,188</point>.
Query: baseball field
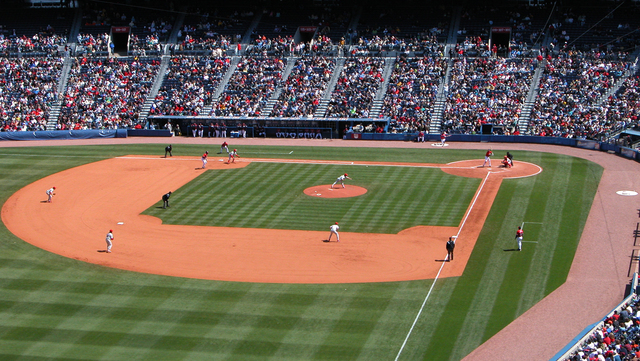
<point>86,306</point>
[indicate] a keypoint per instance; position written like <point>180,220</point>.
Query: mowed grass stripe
<point>534,284</point>
<point>579,197</point>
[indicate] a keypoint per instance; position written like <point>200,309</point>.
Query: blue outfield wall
<point>84,134</point>
<point>571,142</point>
<point>64,134</point>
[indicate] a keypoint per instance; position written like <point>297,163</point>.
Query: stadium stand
<point>586,89</point>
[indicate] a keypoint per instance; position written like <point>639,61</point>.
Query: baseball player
<point>341,180</point>
<point>204,159</point>
<point>519,235</point>
<point>50,193</point>
<point>334,230</point>
<point>109,240</point>
<point>451,244</point>
<point>224,147</point>
<point>165,200</point>
<point>506,162</point>
<point>487,158</point>
<point>168,149</point>
<point>443,138</point>
<point>232,156</point>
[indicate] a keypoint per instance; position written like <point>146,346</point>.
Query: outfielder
<point>50,194</point>
<point>487,157</point>
<point>204,159</point>
<point>232,156</point>
<point>519,236</point>
<point>109,240</point>
<point>334,230</point>
<point>341,180</point>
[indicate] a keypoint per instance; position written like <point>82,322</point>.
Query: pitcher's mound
<point>325,191</point>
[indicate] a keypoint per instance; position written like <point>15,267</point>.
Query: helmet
<point>234,150</point>
<point>207,152</point>
<point>346,175</point>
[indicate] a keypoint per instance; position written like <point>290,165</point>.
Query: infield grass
<point>54,308</point>
<point>270,195</point>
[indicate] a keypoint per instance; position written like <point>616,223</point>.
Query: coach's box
<point>234,134</point>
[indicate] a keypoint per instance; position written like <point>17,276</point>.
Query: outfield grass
<point>56,308</point>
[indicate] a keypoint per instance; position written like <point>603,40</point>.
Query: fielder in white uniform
<point>341,180</point>
<point>50,193</point>
<point>109,240</point>
<point>334,230</point>
<point>232,156</point>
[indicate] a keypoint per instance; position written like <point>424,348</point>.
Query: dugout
<point>331,127</point>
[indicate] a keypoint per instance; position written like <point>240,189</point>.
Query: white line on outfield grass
<point>442,266</point>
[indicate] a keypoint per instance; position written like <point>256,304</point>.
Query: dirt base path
<point>94,198</point>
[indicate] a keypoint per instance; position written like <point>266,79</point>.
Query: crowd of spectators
<point>106,92</point>
<point>188,85</point>
<point>426,44</point>
<point>139,46</point>
<point>304,87</point>
<point>356,88</point>
<point>486,90</point>
<point>569,92</point>
<point>250,86</point>
<point>217,44</point>
<point>617,339</point>
<point>411,93</point>
<point>94,43</point>
<point>27,90</point>
<point>49,44</point>
<point>279,46</point>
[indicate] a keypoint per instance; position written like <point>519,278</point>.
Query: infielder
<point>204,159</point>
<point>109,240</point>
<point>341,180</point>
<point>224,147</point>
<point>165,200</point>
<point>487,157</point>
<point>334,230</point>
<point>50,194</point>
<point>232,156</point>
<point>519,235</point>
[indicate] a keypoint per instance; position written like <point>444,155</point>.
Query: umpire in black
<point>165,200</point>
<point>451,244</point>
<point>168,149</point>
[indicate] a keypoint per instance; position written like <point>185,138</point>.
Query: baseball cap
<point>234,150</point>
<point>111,230</point>
<point>54,187</point>
<point>345,174</point>
<point>336,222</point>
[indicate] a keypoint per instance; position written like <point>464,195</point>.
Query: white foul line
<point>438,275</point>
